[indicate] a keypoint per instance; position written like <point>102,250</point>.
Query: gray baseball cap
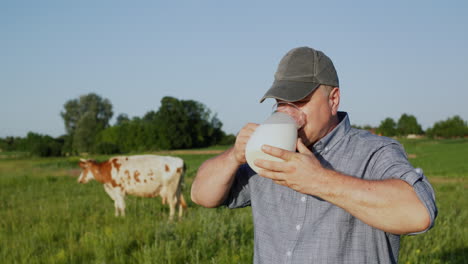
<point>299,73</point>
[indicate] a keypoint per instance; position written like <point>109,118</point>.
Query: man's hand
<point>216,175</point>
<point>241,141</point>
<point>379,203</point>
<point>296,170</point>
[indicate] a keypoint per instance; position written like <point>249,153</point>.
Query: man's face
<point>320,108</point>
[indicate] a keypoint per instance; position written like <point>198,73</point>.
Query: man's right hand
<point>241,141</point>
<point>216,175</point>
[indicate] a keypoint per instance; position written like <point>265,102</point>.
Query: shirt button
<point>289,253</point>
<point>298,227</point>
<point>303,199</point>
<point>326,148</point>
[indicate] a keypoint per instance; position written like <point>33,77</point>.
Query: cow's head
<point>87,172</point>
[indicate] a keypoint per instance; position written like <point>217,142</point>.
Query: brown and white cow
<point>143,175</point>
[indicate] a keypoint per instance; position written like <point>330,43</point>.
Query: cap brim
<point>290,91</point>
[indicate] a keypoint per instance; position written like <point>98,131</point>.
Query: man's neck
<point>334,121</point>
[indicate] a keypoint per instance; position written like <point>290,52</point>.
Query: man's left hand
<point>300,171</point>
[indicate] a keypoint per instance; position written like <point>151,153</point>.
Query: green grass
<point>47,217</point>
<point>447,242</point>
<point>442,158</point>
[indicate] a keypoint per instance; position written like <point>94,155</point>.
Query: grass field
<point>47,217</point>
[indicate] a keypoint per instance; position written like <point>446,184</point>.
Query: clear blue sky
<point>392,57</point>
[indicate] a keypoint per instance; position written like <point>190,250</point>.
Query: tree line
<point>177,124</point>
<point>453,127</point>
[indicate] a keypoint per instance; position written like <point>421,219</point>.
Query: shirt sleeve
<point>391,162</point>
<point>239,194</point>
<point>426,194</point>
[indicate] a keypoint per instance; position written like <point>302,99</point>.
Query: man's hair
<point>327,88</point>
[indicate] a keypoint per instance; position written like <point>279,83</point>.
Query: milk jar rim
<point>299,119</point>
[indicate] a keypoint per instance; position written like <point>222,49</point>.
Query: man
<point>345,196</point>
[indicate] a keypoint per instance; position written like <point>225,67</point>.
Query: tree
<point>387,128</point>
<point>178,124</point>
<point>215,135</point>
<point>450,128</point>
<point>407,124</point>
<point>67,144</point>
<point>202,126</point>
<point>186,124</point>
<point>133,135</point>
<point>122,118</point>
<point>86,130</point>
<point>43,145</point>
<point>175,130</point>
<point>11,144</point>
<point>84,118</point>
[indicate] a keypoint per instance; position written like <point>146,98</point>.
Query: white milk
<point>278,135</point>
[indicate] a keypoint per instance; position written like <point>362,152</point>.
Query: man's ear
<point>334,99</point>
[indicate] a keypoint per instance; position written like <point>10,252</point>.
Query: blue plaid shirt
<point>291,227</point>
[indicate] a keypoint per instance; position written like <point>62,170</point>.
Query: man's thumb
<point>302,148</point>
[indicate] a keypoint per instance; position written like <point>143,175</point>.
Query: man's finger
<point>303,148</point>
<point>270,165</point>
<point>277,152</point>
<point>274,175</point>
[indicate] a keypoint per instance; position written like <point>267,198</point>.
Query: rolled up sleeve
<point>391,162</point>
<point>425,193</point>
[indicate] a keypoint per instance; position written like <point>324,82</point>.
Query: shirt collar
<point>328,141</point>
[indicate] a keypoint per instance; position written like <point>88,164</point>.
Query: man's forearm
<point>389,205</point>
<point>214,179</point>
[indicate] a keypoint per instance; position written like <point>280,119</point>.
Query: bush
<point>43,145</point>
<point>47,148</point>
<point>450,128</point>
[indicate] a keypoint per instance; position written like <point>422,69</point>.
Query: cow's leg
<point>172,205</point>
<point>111,192</point>
<point>120,200</point>
<point>117,196</point>
<point>121,203</point>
